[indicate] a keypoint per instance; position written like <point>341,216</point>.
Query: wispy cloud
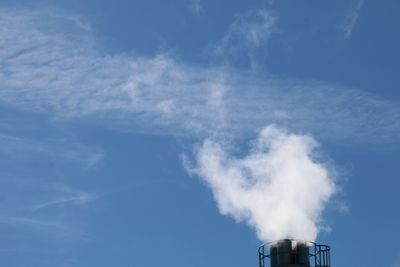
<point>67,77</point>
<point>351,18</point>
<point>29,222</point>
<point>248,31</point>
<point>396,262</point>
<point>50,228</point>
<point>26,148</point>
<point>39,205</point>
<point>65,196</point>
<point>195,6</point>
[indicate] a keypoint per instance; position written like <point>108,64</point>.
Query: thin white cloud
<point>53,228</point>
<point>351,19</point>
<point>29,222</point>
<point>26,148</point>
<point>250,31</point>
<point>279,188</point>
<point>72,198</point>
<point>36,203</point>
<point>396,263</point>
<point>67,77</point>
<point>195,6</point>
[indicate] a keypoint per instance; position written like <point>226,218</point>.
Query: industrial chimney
<point>294,253</point>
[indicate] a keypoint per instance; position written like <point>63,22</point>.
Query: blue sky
<point>142,133</point>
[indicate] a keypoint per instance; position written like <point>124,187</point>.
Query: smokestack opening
<point>289,253</point>
<point>294,253</point>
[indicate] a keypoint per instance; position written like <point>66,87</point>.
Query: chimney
<point>294,253</point>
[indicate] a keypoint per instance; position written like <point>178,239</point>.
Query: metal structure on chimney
<point>294,253</point>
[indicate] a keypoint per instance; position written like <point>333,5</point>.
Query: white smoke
<point>278,188</point>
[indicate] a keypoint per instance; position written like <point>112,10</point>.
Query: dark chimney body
<point>294,253</point>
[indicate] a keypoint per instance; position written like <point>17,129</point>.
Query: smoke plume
<point>279,189</point>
